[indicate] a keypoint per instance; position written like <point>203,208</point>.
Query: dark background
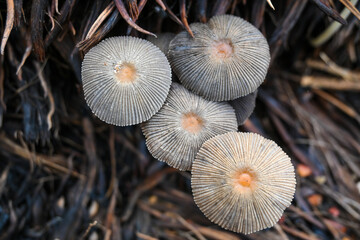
<point>65,174</point>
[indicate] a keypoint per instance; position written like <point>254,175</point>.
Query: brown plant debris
<point>86,179</point>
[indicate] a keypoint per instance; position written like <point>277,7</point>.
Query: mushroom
<point>244,107</point>
<point>183,124</point>
<point>228,58</point>
<point>125,80</point>
<point>242,181</point>
<point>162,41</point>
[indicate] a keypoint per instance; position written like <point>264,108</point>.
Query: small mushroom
<point>183,124</point>
<point>228,58</point>
<point>244,107</point>
<point>242,181</point>
<point>162,41</point>
<point>125,80</point>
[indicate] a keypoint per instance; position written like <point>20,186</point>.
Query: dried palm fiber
<point>242,181</point>
<point>162,41</point>
<point>125,80</point>
<point>183,124</point>
<point>244,107</point>
<point>228,58</point>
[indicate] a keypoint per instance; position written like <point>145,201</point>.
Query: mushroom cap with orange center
<point>183,124</point>
<point>242,181</point>
<point>228,58</point>
<point>125,80</point>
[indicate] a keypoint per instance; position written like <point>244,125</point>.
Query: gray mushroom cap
<point>183,124</point>
<point>125,80</point>
<point>244,107</point>
<point>228,58</point>
<point>242,181</point>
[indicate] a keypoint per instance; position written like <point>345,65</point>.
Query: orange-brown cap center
<point>125,72</point>
<point>192,123</point>
<point>245,180</point>
<point>222,49</point>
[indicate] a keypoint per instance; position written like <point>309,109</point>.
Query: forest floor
<point>64,174</point>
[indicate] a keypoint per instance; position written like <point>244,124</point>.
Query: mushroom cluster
<point>240,181</point>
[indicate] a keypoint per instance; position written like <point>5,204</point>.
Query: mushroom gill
<point>242,181</point>
<point>228,58</point>
<point>125,80</point>
<point>183,124</point>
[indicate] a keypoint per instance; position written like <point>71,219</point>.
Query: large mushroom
<point>175,134</point>
<point>125,80</point>
<point>228,58</point>
<point>242,181</point>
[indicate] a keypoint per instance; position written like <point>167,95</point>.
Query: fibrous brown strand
<point>101,18</point>
<point>121,7</point>
<point>9,24</point>
<point>221,7</point>
<point>67,174</point>
<point>172,15</point>
<point>133,7</point>
<point>184,18</point>
<point>324,5</point>
<point>64,14</point>
<point>37,17</point>
<point>18,5</point>
<point>348,4</point>
<point>201,6</point>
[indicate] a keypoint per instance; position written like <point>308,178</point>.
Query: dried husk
<point>244,107</point>
<point>223,200</point>
<point>166,138</point>
<point>220,79</point>
<point>121,103</point>
<point>162,41</point>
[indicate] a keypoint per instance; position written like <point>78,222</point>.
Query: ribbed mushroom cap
<point>162,41</point>
<point>242,181</point>
<point>228,58</point>
<point>125,80</point>
<point>244,107</point>
<point>183,124</point>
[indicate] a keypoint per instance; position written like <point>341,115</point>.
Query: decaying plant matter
<point>65,174</point>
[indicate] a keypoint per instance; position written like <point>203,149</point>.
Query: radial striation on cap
<point>162,41</point>
<point>183,124</point>
<point>125,80</point>
<point>244,107</point>
<point>228,58</point>
<point>242,181</point>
